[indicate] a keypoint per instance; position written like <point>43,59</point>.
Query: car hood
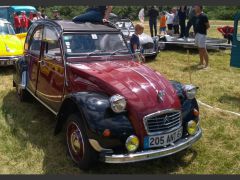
<point>145,38</point>
<point>138,83</point>
<point>10,45</point>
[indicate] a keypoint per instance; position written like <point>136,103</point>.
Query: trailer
<point>171,41</point>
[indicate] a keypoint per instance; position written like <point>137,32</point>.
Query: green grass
<point>28,146</point>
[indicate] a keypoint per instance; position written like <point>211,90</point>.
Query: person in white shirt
<point>37,17</point>
<point>170,17</point>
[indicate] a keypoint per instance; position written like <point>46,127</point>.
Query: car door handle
<point>42,63</point>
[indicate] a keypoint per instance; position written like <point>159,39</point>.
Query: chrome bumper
<point>150,53</point>
<point>8,60</point>
<point>152,154</point>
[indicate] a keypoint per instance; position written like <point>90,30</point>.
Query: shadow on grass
<point>38,126</point>
<point>192,68</point>
<point>8,70</point>
<point>228,99</point>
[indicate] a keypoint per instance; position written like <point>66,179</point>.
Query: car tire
<point>77,143</point>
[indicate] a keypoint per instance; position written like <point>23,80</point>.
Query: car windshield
<point>6,28</point>
<point>94,44</point>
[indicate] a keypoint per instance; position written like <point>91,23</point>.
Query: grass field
<point>28,146</point>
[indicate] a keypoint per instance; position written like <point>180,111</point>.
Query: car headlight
<point>192,127</point>
<point>118,103</point>
<point>190,91</point>
<point>132,143</point>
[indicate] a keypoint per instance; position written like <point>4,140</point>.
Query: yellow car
<point>11,44</point>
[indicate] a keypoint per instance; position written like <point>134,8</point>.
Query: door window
<point>51,44</point>
<point>35,41</point>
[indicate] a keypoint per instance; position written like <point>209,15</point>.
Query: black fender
<point>188,105</point>
<point>96,111</point>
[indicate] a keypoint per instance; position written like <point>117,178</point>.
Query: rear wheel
<point>77,142</point>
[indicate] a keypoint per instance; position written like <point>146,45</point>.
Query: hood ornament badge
<point>161,95</point>
<point>166,120</point>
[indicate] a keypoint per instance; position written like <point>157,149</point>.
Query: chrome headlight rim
<point>190,91</point>
<point>114,99</point>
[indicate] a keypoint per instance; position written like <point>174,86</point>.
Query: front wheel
<point>78,145</point>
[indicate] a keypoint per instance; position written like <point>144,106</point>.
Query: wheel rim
<point>75,142</point>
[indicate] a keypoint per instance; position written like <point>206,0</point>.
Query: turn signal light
<point>106,133</point>
<point>195,112</point>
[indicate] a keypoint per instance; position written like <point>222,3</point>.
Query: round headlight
<point>132,143</point>
<point>190,91</point>
<point>192,127</point>
<point>118,103</point>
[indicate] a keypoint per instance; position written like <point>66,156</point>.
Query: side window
<point>35,41</point>
<point>51,44</point>
<point>238,30</point>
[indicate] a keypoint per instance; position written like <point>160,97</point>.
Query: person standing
<point>17,22</point>
<point>98,14</point>
<point>191,18</point>
<point>163,24</point>
<point>200,26</point>
<point>24,22</point>
<point>175,21</point>
<point>153,15</point>
<point>170,17</point>
<point>38,16</point>
<point>182,20</point>
<point>44,16</point>
<point>56,15</point>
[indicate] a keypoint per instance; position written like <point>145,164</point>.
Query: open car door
<point>235,54</point>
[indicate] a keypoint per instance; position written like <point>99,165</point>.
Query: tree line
<point>213,12</point>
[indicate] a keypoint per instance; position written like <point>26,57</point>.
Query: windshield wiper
<point>95,52</point>
<point>114,52</point>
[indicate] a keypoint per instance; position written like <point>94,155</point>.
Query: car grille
<point>148,46</point>
<point>162,121</point>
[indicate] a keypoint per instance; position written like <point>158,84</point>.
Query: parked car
<point>149,44</point>
<point>6,12</point>
<point>11,44</point>
<point>112,107</point>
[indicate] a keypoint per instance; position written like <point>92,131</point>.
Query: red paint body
<point>136,82</point>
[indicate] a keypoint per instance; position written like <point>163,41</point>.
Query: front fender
<point>98,116</point>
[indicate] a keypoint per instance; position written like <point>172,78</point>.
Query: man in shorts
<point>201,25</point>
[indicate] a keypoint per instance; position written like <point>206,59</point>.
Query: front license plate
<point>148,51</point>
<point>9,62</point>
<point>162,140</point>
